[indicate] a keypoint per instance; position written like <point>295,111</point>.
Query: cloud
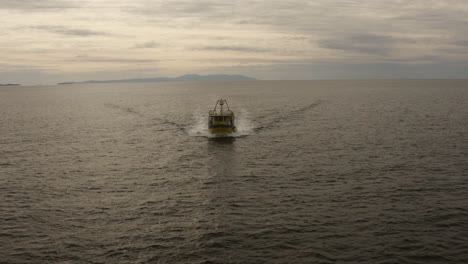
<point>234,48</point>
<point>37,5</point>
<point>461,43</point>
<point>247,61</point>
<point>7,67</point>
<point>146,45</point>
<point>276,35</point>
<point>199,7</point>
<point>184,8</point>
<point>70,31</point>
<point>363,43</point>
<point>85,58</point>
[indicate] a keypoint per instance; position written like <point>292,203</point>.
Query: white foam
<point>244,123</point>
<point>200,125</point>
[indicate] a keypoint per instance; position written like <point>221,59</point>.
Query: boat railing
<point>221,113</point>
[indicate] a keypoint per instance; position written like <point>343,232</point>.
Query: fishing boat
<point>221,119</point>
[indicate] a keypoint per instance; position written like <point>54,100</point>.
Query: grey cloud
<point>85,58</point>
<point>434,17</point>
<point>70,31</point>
<point>183,8</point>
<point>314,17</point>
<point>249,61</point>
<point>373,44</point>
<point>234,48</point>
<point>318,17</point>
<point>201,6</point>
<point>294,15</point>
<point>146,45</point>
<point>37,5</point>
<point>250,49</point>
<point>16,67</point>
<point>461,42</point>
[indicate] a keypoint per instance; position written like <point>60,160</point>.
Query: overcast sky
<point>49,41</point>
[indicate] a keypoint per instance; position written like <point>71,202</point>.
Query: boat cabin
<point>221,119</point>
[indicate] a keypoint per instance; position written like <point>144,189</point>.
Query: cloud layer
<point>69,31</point>
<point>265,39</point>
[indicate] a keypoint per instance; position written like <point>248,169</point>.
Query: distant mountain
<point>183,78</point>
<point>9,84</point>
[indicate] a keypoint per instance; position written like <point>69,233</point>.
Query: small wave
<point>173,126</point>
<point>122,108</point>
<point>159,121</point>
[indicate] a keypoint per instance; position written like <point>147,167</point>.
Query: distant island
<point>183,78</point>
<point>10,84</point>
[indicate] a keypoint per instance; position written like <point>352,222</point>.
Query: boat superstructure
<point>221,119</point>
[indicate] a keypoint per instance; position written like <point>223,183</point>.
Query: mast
<point>221,103</point>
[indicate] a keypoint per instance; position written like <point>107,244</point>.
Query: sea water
<point>318,172</point>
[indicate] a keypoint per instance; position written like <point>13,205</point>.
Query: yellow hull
<point>222,130</point>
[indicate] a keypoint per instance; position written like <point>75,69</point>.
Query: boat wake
<point>279,117</point>
<point>244,126</point>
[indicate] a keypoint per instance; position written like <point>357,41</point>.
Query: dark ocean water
<point>319,172</point>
